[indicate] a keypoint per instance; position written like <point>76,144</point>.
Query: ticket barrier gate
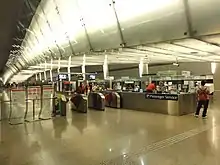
<point>18,110</point>
<point>79,103</point>
<point>112,99</point>
<point>35,116</point>
<point>96,101</point>
<point>7,102</point>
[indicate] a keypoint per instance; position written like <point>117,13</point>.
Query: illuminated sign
<point>161,96</point>
<point>63,76</point>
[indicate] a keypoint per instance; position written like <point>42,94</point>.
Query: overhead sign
<point>92,77</point>
<point>125,78</point>
<point>186,73</point>
<point>161,96</point>
<point>110,78</point>
<point>129,82</point>
<point>168,72</point>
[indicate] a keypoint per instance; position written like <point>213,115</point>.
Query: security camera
<point>176,64</point>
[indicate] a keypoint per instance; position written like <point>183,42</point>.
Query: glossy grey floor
<point>113,137</point>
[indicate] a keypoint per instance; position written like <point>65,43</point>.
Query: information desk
<point>170,104</point>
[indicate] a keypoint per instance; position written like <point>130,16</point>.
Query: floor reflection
<point>82,125</point>
<point>112,137</point>
<point>59,126</point>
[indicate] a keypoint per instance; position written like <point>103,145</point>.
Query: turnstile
<point>1,108</point>
<point>112,99</point>
<point>96,101</point>
<point>79,103</point>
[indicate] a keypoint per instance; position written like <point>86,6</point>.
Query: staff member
<point>150,88</point>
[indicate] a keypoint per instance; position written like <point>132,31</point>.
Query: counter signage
<point>162,96</point>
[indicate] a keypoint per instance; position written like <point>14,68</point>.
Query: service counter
<point>171,104</point>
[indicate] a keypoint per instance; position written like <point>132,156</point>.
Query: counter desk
<point>171,104</point>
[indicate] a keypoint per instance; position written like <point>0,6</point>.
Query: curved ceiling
<point>9,11</point>
<point>127,31</point>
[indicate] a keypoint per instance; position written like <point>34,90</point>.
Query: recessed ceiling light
<point>193,52</point>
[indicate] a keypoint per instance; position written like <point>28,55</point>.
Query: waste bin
<point>60,105</point>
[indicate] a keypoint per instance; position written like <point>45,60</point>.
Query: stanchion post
<point>41,96</point>
<point>10,111</point>
<point>53,98</point>
<point>26,102</point>
<point>10,94</point>
<point>33,109</point>
<point>41,100</point>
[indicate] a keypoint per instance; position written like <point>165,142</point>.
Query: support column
<point>40,76</point>
<point>84,67</point>
<point>68,69</point>
<point>45,75</point>
<point>36,77</point>
<point>45,68</point>
<point>143,68</point>
<point>51,70</point>
<point>105,68</point>
<point>215,67</point>
<point>58,69</point>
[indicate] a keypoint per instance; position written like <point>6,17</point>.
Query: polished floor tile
<point>113,137</point>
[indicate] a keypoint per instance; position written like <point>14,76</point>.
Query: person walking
<point>203,100</point>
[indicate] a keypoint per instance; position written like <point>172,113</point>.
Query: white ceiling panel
<point>174,48</point>
<point>214,39</point>
<point>198,45</point>
<point>147,21</point>
<point>205,16</point>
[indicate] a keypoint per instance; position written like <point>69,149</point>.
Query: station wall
<point>132,70</point>
<point>199,68</point>
<point>217,85</point>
